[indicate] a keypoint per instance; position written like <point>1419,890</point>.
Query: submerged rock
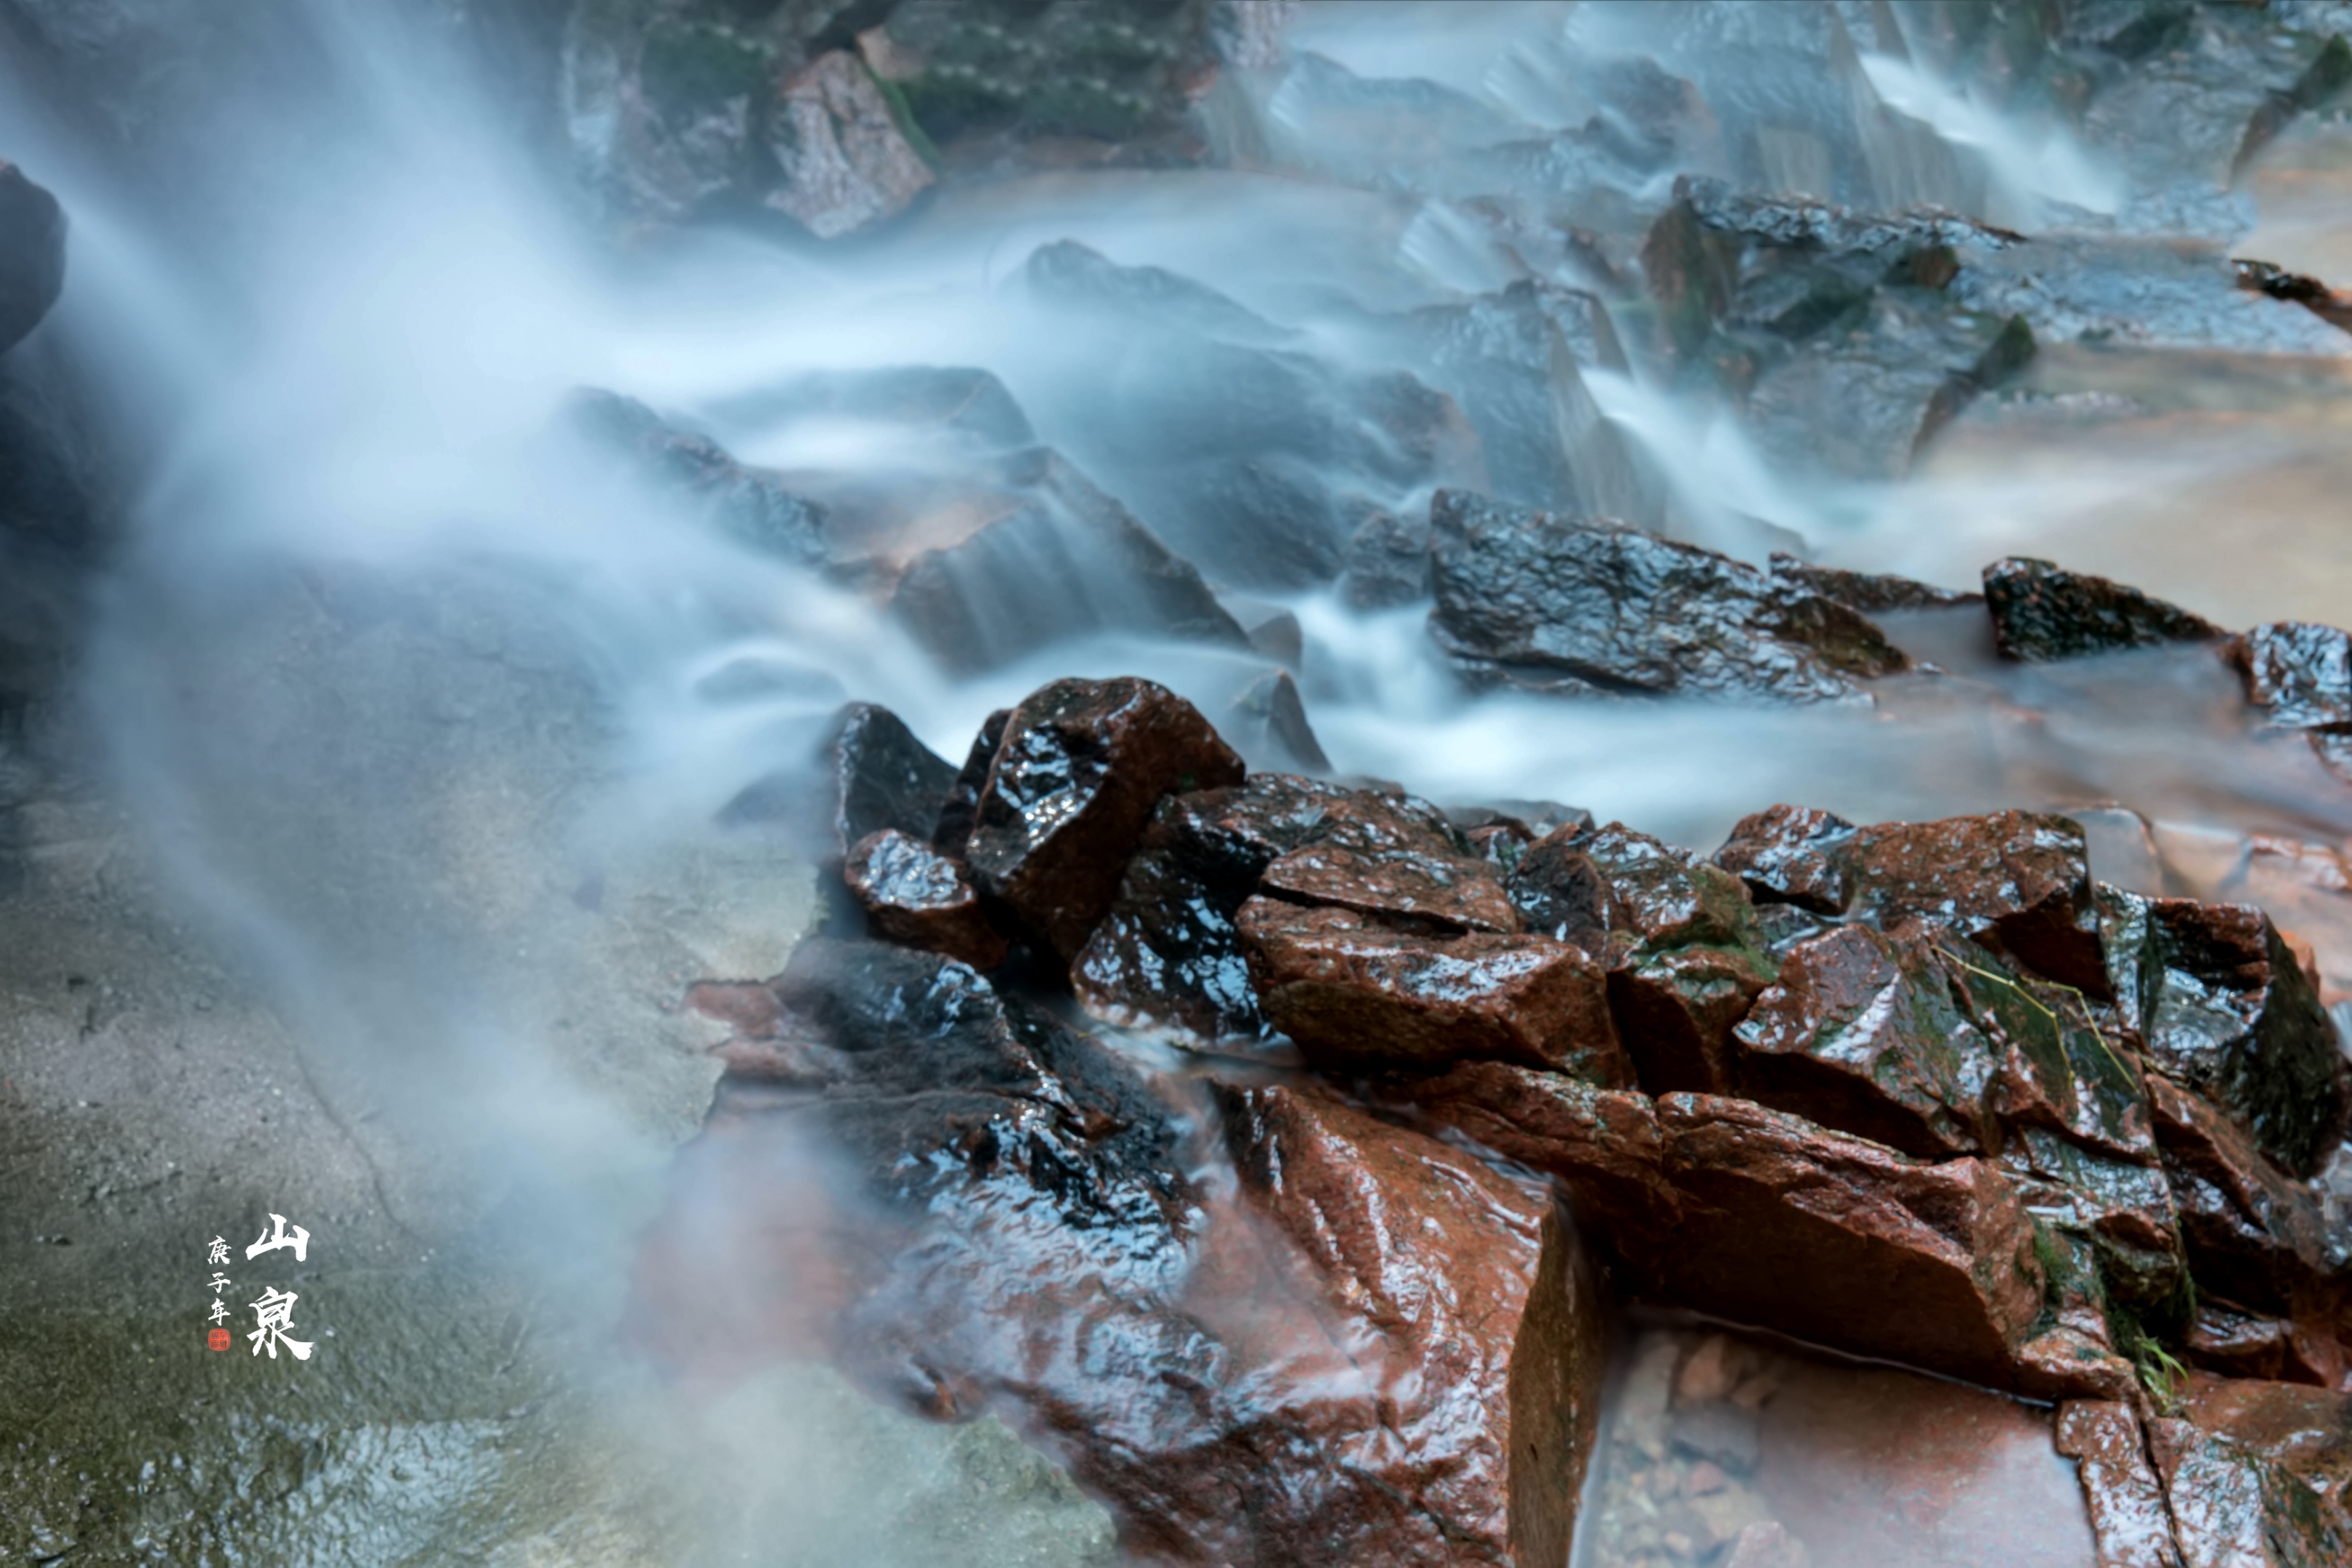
<point>1073,779</point>
<point>32,254</point>
<point>1058,559</point>
<point>1587,607</point>
<point>2300,675</point>
<point>754,506</point>
<point>1356,996</point>
<point>2041,612</point>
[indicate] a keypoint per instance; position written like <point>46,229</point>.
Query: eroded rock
<point>2256,1237</point>
<point>1790,854</point>
<point>2041,612</point>
<point>2231,1506</point>
<point>1584,606</point>
<point>1075,777</point>
<point>2119,1484</point>
<point>2305,1431</point>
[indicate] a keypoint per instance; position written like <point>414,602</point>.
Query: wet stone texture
<point>2226,1009</point>
<point>916,896</point>
<point>1585,607</point>
<point>1080,768</point>
<point>2041,612</point>
<point>1354,996</point>
<point>2018,882</point>
<point>2300,675</point>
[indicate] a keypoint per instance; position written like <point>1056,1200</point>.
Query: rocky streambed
<point>1284,1155</point>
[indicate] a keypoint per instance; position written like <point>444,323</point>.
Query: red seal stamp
<point>217,1339</point>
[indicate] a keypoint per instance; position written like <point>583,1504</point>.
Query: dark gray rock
<point>1588,606</point>
<point>2041,612</point>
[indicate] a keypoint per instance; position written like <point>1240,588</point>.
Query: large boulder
<point>32,253</point>
<point>2041,612</point>
<point>1583,606</point>
<point>1075,777</point>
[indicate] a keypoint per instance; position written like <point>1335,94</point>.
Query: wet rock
<point>2305,1431</point>
<point>1385,563</point>
<point>1790,855</point>
<point>1060,559</point>
<point>1837,330</point>
<point>1584,606</point>
<point>1080,768</point>
<point>1678,934</point>
<point>1399,860</point>
<point>2301,675</point>
<point>1272,720</point>
<point>1484,1334</point>
<point>1928,1264</point>
<point>1766,1544</point>
<point>914,896</point>
<point>2245,1346</point>
<point>2226,1010</point>
<point>1864,592</point>
<point>2119,1484</point>
<point>842,159</point>
<point>1603,1145</point>
<point>2041,612</point>
<point>2015,881</point>
<point>2116,1224</point>
<point>1167,954</point>
<point>1250,459</point>
<point>1862,1032</point>
<point>1356,996</point>
<point>955,407</point>
<point>31,257</point>
<point>952,834</point>
<point>2256,1237</point>
<point>2231,1506</point>
<point>878,778</point>
<point>658,109</point>
<point>753,506</point>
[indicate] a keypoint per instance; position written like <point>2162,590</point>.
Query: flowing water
<point>400,677</point>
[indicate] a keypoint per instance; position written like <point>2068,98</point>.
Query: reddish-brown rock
<point>1357,995</point>
<point>1166,956</point>
<point>1862,1032</point>
<point>1679,935</point>
<point>2119,1484</point>
<point>2227,1010</point>
<point>916,896</point>
<point>2041,612</point>
<point>1474,1328</point>
<point>2015,881</point>
<point>1074,780</point>
<point>2305,1431</point>
<point>1396,858</point>
<point>1846,1243</point>
<point>1602,1145</point>
<point>2256,1238</point>
<point>1790,854</point>
<point>2232,1508</point>
<point>2240,1345</point>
